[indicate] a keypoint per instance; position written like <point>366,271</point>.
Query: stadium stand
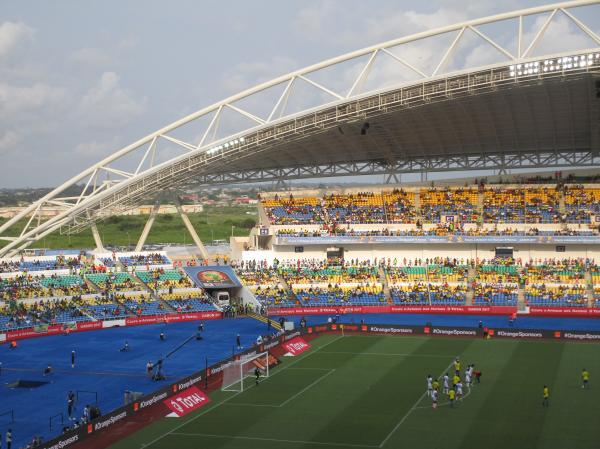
<point>497,282</point>
<point>112,281</point>
<point>102,308</point>
<point>189,300</point>
<point>438,203</point>
<point>30,286</point>
<point>556,283</point>
<point>335,295</point>
<point>294,210</point>
<point>581,202</point>
<point>144,259</point>
<point>161,278</point>
<point>399,206</point>
<point>440,282</point>
<point>518,205</point>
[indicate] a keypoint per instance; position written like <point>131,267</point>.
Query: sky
<point>80,79</point>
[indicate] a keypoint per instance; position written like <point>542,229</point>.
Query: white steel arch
<point>105,183</point>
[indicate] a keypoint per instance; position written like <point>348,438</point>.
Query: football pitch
<point>370,392</point>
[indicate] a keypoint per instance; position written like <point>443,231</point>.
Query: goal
<point>238,370</point>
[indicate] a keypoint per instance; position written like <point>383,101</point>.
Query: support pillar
<point>192,231</point>
<point>97,239</point>
<point>147,227</point>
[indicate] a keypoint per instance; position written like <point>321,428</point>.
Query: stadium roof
<point>414,104</point>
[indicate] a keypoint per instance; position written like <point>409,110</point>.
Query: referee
<point>73,359</point>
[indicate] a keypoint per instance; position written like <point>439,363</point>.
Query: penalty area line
<point>276,440</point>
<point>305,389</point>
<point>288,400</point>
<point>299,359</point>
<point>389,354</point>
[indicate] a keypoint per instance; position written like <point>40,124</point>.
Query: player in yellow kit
<point>546,397</point>
<point>455,380</point>
<point>585,378</point>
<point>451,395</point>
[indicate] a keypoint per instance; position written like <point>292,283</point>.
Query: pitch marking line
<point>284,403</point>
<point>391,354</point>
<point>287,401</point>
<point>277,440</point>
<point>299,359</point>
<point>412,409</point>
<point>309,368</point>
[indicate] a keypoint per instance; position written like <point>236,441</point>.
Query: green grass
<point>368,392</point>
<point>215,223</point>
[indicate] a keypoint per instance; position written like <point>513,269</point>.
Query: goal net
<point>234,374</point>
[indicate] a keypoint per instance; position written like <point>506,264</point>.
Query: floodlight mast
<point>108,188</point>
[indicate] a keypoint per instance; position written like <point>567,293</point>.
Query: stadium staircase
<point>471,274</point>
<point>287,287</point>
<point>153,293</point>
<point>386,286</point>
<point>480,203</point>
<point>263,219</point>
<point>562,208</point>
<point>263,319</point>
<point>418,206</point>
<point>91,286</point>
<point>129,311</point>
<point>521,305</point>
<point>589,289</point>
<point>92,318</point>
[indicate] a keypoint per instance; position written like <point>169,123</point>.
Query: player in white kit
<point>434,398</point>
<point>445,384</point>
<point>459,391</point>
<point>429,385</point>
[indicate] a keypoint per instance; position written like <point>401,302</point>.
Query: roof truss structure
<point>213,149</point>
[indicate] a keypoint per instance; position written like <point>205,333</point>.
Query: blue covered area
<point>102,368</point>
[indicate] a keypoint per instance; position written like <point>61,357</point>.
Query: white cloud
<point>108,104</point>
<point>97,148</point>
<point>12,35</point>
<point>247,74</point>
<point>367,25</point>
<point>95,57</point>
<point>8,142</point>
<point>35,99</point>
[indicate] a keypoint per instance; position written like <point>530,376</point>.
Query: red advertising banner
<point>172,318</point>
<point>29,333</point>
<point>89,325</point>
<point>564,311</point>
<point>56,329</point>
<point>458,310</point>
<point>296,346</point>
<point>186,401</point>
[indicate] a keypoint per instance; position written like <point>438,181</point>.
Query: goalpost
<point>238,370</point>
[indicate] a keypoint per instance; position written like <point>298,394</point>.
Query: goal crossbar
<point>246,366</point>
